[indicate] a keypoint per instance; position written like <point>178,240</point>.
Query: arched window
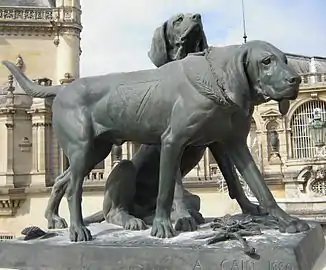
<point>302,145</point>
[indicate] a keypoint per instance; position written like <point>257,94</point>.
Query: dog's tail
<point>31,88</point>
<point>95,218</point>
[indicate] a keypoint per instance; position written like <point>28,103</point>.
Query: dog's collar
<point>220,96</point>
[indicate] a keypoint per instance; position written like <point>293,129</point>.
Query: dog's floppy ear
<point>203,44</point>
<point>158,52</point>
<point>238,88</point>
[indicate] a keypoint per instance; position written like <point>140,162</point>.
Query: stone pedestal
<point>115,248</point>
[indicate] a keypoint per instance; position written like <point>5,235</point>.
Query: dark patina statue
<point>191,103</point>
<point>177,37</point>
<point>173,40</point>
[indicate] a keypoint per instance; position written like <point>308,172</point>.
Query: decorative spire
<point>10,90</point>
<point>67,78</point>
<point>19,62</point>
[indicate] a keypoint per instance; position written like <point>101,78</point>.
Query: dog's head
<point>180,35</point>
<point>261,73</point>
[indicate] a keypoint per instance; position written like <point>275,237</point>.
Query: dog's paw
<point>288,224</point>
<point>79,233</point>
<point>162,228</point>
<point>186,223</point>
<point>135,224</point>
<point>197,216</point>
<point>56,222</point>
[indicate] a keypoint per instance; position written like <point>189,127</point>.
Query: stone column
<point>7,125</point>
<point>35,149</point>
<point>67,27</point>
<point>206,164</point>
<point>40,112</point>
<point>68,78</point>
<point>7,117</point>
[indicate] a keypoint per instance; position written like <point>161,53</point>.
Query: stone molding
<point>10,200</point>
<point>37,21</point>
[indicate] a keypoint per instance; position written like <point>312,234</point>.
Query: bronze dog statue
<point>120,198</point>
<point>173,40</point>
<point>196,102</point>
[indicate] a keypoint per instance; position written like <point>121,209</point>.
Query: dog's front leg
<point>171,151</point>
<point>240,155</point>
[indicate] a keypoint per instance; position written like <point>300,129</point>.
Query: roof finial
<point>244,23</point>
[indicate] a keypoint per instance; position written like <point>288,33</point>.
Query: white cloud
<point>117,33</point>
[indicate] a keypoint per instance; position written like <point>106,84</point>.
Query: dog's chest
<point>222,125</point>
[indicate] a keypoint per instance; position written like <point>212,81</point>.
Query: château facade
<point>43,39</point>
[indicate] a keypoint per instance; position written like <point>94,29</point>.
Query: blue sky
<point>117,33</point>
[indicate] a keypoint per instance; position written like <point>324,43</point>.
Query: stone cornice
<point>37,21</point>
<point>10,200</point>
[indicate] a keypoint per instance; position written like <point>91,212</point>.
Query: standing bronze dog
<point>126,201</point>
<point>173,40</point>
<point>194,102</point>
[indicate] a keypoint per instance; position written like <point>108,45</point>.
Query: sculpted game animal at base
<point>142,201</point>
<point>198,101</point>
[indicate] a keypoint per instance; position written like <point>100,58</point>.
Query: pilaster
<point>7,116</point>
<point>41,123</point>
<point>41,115</point>
<point>7,125</point>
<point>64,162</point>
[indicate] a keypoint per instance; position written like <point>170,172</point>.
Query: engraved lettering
<point>277,265</point>
<point>237,265</point>
<point>248,265</point>
<point>224,264</point>
<point>198,266</point>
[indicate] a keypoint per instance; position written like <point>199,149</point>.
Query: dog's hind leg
<point>232,180</point>
<point>52,210</point>
<point>119,196</point>
<point>85,156</point>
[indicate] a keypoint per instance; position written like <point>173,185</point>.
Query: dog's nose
<point>196,17</point>
<point>294,80</point>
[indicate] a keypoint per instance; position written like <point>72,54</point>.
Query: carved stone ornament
<point>43,81</point>
<point>11,200</point>
<point>314,180</point>
<point>36,21</point>
<point>67,78</point>
<point>19,62</point>
<point>271,114</point>
<point>25,145</point>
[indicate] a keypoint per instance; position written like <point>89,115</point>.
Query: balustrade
<point>313,79</point>
<point>95,176</point>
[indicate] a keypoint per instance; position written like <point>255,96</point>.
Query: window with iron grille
<point>302,145</point>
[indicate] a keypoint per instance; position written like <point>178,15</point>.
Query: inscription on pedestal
<point>246,265</point>
<point>238,265</point>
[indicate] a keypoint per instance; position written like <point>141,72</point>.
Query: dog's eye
<point>267,61</point>
<point>179,19</point>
